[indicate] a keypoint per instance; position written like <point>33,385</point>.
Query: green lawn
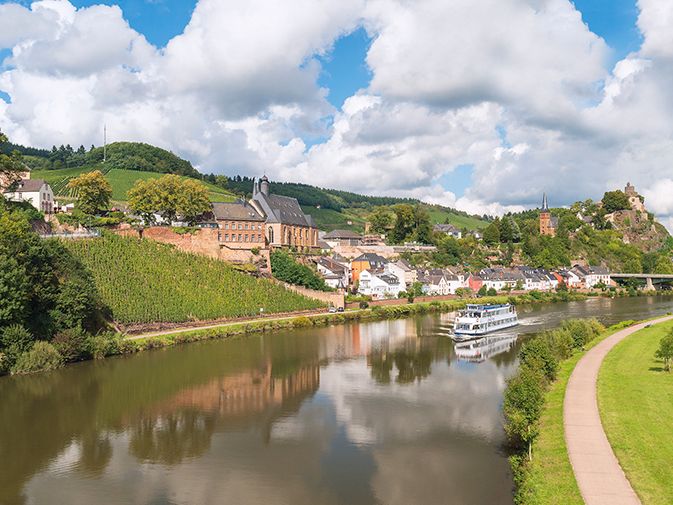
<point>635,399</point>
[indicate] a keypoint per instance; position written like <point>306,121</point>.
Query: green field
<point>144,282</point>
<point>439,215</point>
<point>329,219</point>
<point>120,180</point>
<point>635,399</point>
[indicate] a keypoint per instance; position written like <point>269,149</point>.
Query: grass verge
<point>635,399</point>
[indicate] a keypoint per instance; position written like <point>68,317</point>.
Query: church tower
<point>547,224</point>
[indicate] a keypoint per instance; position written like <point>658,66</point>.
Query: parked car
<point>340,309</point>
<point>332,310</point>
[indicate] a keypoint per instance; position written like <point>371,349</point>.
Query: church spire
<point>545,206</point>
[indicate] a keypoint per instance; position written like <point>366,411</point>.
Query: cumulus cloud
<point>519,90</point>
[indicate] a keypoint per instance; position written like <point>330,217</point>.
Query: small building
<point>403,270</point>
<point>548,223</point>
<point>342,238</point>
<point>366,261</point>
<point>439,282</point>
<point>34,191</point>
<point>448,229</point>
<point>379,285</point>
<point>591,276</point>
<point>500,278</point>
<point>336,275</point>
<point>240,225</point>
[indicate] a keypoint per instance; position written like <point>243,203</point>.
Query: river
<point>388,412</point>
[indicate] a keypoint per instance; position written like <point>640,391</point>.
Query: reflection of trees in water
<point>170,438</point>
<point>412,360</point>
<point>95,454</point>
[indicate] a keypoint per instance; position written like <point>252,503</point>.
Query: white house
<point>441,282</point>
<point>448,229</point>
<point>572,279</point>
<point>379,285</point>
<point>500,278</point>
<point>34,191</point>
<point>402,270</point>
<point>591,276</point>
<point>336,275</point>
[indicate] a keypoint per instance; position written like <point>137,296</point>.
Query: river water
<point>387,412</point>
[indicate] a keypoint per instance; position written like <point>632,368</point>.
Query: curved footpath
<point>600,478</point>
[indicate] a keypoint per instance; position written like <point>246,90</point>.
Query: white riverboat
<point>478,320</point>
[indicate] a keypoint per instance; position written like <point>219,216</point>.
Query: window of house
<point>240,238</point>
<point>226,237</point>
<point>245,238</point>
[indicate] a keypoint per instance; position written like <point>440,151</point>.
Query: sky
<point>481,105</point>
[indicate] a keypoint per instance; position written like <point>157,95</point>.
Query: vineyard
<point>144,282</point>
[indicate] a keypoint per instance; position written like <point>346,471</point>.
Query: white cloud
<point>237,92</point>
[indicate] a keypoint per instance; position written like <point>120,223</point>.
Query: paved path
<point>600,478</point>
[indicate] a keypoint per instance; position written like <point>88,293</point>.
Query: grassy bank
<point>549,478</point>
<point>635,399</point>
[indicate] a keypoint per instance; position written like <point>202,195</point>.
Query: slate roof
<point>332,265</point>
<point>30,185</point>
<point>371,258</point>
<point>342,234</point>
<point>235,211</point>
<point>445,228</point>
<point>283,209</point>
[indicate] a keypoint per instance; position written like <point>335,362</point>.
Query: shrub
<point>72,344</point>
<point>524,399</point>
<point>15,340</point>
<point>363,304</point>
<point>492,292</point>
<point>301,322</point>
<point>537,354</point>
<point>104,344</point>
<point>42,357</point>
<point>665,351</point>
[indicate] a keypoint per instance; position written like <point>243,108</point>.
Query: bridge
<point>650,279</point>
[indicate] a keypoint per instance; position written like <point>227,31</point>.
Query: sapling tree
<point>665,351</point>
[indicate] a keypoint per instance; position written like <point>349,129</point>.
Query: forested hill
<point>120,155</point>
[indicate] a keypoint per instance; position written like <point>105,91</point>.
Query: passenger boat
<point>478,320</point>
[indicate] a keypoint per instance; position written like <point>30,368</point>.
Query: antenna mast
<point>104,143</point>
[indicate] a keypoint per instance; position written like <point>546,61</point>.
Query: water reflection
<point>387,412</point>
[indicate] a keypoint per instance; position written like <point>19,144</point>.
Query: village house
<point>336,274</point>
<point>448,229</point>
<point>286,223</point>
<point>591,276</point>
<point>536,279</point>
<point>403,270</point>
<point>440,282</point>
<point>500,278</point>
<point>343,238</point>
<point>571,279</point>
<point>34,191</point>
<point>379,285</point>
<point>366,261</point>
<point>240,225</point>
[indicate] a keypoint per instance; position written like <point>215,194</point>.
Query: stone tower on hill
<point>548,223</point>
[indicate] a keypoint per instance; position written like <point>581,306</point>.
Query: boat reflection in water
<point>480,349</point>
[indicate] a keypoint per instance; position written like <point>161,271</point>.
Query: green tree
<point>193,200</point>
<point>665,351</point>
<point>492,292</point>
<point>93,192</point>
<point>11,165</point>
<point>422,228</point>
<point>663,265</point>
<point>522,406</point>
<point>405,219</point>
<point>492,234</point>
<point>483,290</point>
<point>382,220</point>
<point>615,200</point>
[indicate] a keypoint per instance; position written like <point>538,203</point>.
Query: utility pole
<point>104,143</point>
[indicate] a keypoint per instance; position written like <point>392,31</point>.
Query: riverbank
<point>549,477</point>
<point>635,398</point>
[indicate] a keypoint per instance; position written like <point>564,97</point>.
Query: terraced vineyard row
<point>145,282</point>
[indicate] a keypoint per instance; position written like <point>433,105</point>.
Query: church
<point>548,223</point>
<point>286,223</point>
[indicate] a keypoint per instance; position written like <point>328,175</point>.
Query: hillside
<point>120,180</point>
<point>146,282</point>
<point>335,209</point>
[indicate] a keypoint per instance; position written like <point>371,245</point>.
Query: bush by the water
<point>286,269</point>
<point>143,281</point>
<point>42,357</point>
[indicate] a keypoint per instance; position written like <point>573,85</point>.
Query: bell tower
<point>546,225</point>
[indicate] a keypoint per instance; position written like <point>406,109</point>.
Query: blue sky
<point>344,68</point>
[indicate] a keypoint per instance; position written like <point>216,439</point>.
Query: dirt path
<point>269,319</point>
<point>600,478</point>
